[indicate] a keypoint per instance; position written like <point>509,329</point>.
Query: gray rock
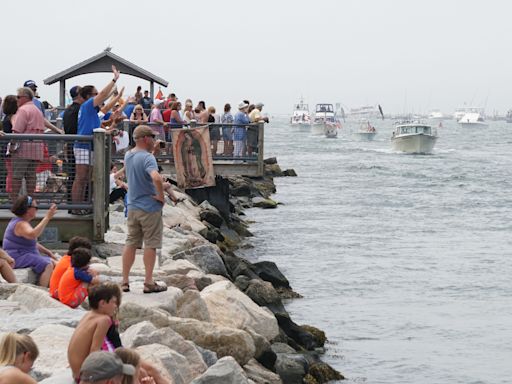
<point>7,290</point>
<point>242,283</point>
<point>60,377</point>
<point>192,305</point>
<point>182,282</point>
<point>209,357</point>
<point>26,275</point>
<point>291,367</point>
<point>282,348</point>
<point>268,271</point>
<point>205,257</point>
<point>270,160</point>
<point>225,371</point>
<point>106,250</point>
<point>261,344</point>
<point>261,202</point>
<point>164,300</point>
<point>203,282</point>
<point>26,321</point>
<point>212,217</point>
<point>133,313</point>
<point>137,334</point>
<point>34,298</point>
<point>264,294</point>
<point>290,173</point>
<point>259,374</point>
<point>171,364</point>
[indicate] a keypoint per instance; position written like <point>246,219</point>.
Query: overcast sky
<point>405,55</point>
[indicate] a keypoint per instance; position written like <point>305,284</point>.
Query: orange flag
<point>160,94</point>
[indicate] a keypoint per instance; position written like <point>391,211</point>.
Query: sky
<point>408,56</point>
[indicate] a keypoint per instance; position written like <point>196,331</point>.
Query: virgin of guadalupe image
<point>193,158</point>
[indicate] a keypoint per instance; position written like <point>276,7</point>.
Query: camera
<point>162,144</point>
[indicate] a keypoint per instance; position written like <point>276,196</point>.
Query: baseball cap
<point>101,365</point>
<point>30,84</point>
<point>74,92</point>
<point>143,131</point>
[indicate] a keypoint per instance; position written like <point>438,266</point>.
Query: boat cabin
<point>301,107</point>
<point>413,130</point>
<point>324,108</point>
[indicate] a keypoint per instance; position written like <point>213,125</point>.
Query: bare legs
<point>128,260</point>
<point>44,279</point>
<point>149,263</point>
<point>82,177</point>
<point>7,272</point>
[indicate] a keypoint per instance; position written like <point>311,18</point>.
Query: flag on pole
<point>160,94</point>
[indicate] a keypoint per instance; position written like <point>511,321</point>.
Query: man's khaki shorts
<point>144,227</point>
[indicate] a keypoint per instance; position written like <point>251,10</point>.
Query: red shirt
<point>166,115</point>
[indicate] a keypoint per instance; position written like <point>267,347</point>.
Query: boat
<point>324,119</point>
<point>413,137</point>
<point>300,114</point>
<point>460,112</point>
<point>366,131</point>
<point>472,120</point>
<point>435,114</point>
<point>364,112</point>
<point>509,116</point>
<point>331,130</point>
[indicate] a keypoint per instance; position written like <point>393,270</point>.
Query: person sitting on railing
<point>213,118</point>
<point>28,120</point>
<point>227,131</point>
<point>240,133</point>
<point>138,115</point>
<point>20,239</point>
<point>252,132</point>
<point>88,120</point>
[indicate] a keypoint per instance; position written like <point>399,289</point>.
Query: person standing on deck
<point>252,132</point>
<point>146,102</point>
<point>240,132</point>
<point>47,124</point>
<point>88,120</point>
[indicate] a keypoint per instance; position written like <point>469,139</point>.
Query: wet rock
<point>261,202</point>
<point>230,307</point>
<point>268,271</point>
<point>282,348</point>
<point>270,160</point>
<point>290,173</point>
<point>296,333</point>
<point>240,228</point>
<point>259,374</point>
<point>52,341</point>
<point>273,170</point>
<point>291,368</point>
<point>224,371</point>
<point>318,334</point>
<point>191,305</point>
<point>206,257</point>
<point>268,359</point>
<point>242,283</point>
<point>265,295</point>
<point>237,266</point>
<point>324,373</point>
<point>260,343</point>
<point>212,217</point>
<point>240,190</point>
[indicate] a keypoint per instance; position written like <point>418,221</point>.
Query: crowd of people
<point>108,108</point>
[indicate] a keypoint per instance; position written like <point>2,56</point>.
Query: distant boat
<point>301,116</point>
<point>324,119</point>
<point>460,112</point>
<point>472,120</point>
<point>413,138</point>
<point>365,112</point>
<point>331,130</point>
<point>435,115</point>
<point>366,131</point>
<point>509,116</point>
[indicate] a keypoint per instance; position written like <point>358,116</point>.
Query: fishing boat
<point>460,112</point>
<point>473,120</point>
<point>366,131</point>
<point>413,137</point>
<point>300,116</point>
<point>435,114</point>
<point>324,119</point>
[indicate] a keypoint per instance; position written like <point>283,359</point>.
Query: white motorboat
<point>366,131</point>
<point>300,114</point>
<point>435,114</point>
<point>364,112</point>
<point>324,119</point>
<point>413,138</point>
<point>472,120</point>
<point>460,112</point>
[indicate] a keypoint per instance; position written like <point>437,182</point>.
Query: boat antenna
<point>381,113</point>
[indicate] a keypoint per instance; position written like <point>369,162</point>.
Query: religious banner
<point>193,157</point>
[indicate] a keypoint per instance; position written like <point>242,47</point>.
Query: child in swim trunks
<point>91,333</point>
<point>73,285</point>
<point>65,262</point>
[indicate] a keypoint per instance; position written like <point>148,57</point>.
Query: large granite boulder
<point>169,363</point>
<point>192,305</point>
<point>33,298</point>
<point>177,267</point>
<point>230,307</point>
<point>52,341</point>
<point>206,257</point>
<point>295,332</point>
<point>291,367</point>
<point>166,300</point>
<point>264,294</point>
<point>259,374</point>
<point>224,371</point>
<point>133,313</point>
<point>268,271</point>
<point>26,276</point>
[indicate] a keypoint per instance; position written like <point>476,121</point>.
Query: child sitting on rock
<point>73,285</point>
<point>92,332</point>
<point>65,262</point>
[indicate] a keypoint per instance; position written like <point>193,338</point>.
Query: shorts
<point>83,156</point>
<point>37,262</point>
<point>23,167</point>
<point>144,227</point>
<point>215,133</point>
<point>252,137</point>
<point>227,133</point>
<point>78,297</point>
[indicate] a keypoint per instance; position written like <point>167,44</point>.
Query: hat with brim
<point>242,105</point>
<point>102,365</point>
<point>30,84</point>
<point>143,131</point>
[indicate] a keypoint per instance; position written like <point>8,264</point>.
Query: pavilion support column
<point>152,90</point>
<point>62,93</point>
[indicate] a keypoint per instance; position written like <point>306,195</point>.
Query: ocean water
<point>404,260</point>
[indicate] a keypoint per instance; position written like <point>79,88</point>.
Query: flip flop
<point>125,287</point>
<point>154,288</point>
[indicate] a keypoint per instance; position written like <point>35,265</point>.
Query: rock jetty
<point>222,319</point>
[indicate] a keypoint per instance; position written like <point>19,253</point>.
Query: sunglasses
<point>20,96</point>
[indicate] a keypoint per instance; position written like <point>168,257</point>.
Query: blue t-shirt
<point>88,121</point>
<point>129,109</point>
<point>240,132</point>
<point>138,168</point>
<point>38,104</point>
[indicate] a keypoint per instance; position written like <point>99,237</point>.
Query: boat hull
<point>473,124</point>
<point>318,129</point>
<point>414,143</point>
<point>364,136</point>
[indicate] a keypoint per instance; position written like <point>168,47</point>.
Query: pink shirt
<point>155,115</point>
<point>29,120</point>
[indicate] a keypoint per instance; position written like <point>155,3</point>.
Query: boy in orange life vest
<point>73,285</point>
<point>65,262</point>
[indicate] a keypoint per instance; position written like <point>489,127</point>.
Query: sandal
<point>154,288</point>
<point>125,287</point>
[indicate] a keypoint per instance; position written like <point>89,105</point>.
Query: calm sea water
<point>404,260</point>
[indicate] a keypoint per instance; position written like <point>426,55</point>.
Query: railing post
<point>261,137</point>
<point>99,188</point>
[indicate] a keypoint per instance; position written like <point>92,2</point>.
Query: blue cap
<point>30,84</point>
<point>74,92</point>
